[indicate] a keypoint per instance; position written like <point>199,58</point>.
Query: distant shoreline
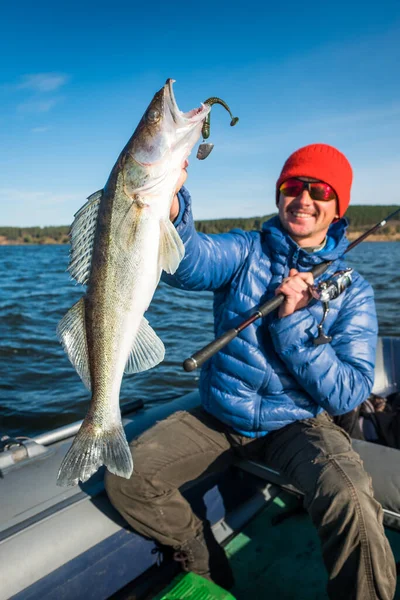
<point>361,218</point>
<point>351,236</point>
<point>377,237</point>
<point>20,242</point>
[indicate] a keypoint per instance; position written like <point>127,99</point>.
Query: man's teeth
<point>301,214</point>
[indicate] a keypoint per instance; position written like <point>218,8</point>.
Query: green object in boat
<point>190,586</point>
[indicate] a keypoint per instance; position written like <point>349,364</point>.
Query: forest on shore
<point>361,218</point>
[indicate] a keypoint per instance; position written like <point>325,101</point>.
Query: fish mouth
<point>192,116</point>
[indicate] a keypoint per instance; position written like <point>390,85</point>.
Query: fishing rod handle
<point>271,305</point>
<point>200,357</point>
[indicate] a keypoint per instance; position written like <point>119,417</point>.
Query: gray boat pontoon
<point>69,543</point>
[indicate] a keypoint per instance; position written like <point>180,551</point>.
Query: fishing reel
<point>325,292</point>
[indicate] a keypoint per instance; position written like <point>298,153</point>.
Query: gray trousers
<point>314,454</point>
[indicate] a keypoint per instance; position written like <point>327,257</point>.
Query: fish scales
<point>121,240</point>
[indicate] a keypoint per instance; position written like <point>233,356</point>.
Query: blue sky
<point>77,77</point>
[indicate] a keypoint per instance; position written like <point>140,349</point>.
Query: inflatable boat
<point>70,544</point>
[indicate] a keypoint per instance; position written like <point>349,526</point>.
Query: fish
<point>121,241</point>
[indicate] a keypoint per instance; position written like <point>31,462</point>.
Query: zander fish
<point>121,240</point>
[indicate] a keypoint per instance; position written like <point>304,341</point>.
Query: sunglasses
<point>317,190</point>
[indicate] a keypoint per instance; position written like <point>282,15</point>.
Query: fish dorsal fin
<point>171,249</point>
<point>147,351</point>
<point>82,237</point>
<point>71,332</point>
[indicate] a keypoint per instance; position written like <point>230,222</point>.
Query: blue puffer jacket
<point>272,374</point>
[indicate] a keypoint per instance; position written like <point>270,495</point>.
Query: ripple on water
<point>39,389</point>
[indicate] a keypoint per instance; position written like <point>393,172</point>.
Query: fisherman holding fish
<point>271,394</point>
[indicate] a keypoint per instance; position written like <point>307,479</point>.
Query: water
<point>39,389</point>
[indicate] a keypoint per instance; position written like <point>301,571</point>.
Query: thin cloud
<point>25,207</point>
<point>19,194</point>
<point>38,89</point>
<point>39,129</point>
<point>324,125</point>
<point>369,115</point>
<point>42,82</point>
<point>36,106</point>
<point>42,198</point>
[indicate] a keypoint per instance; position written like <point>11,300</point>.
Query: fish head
<point>154,156</point>
<point>150,143</point>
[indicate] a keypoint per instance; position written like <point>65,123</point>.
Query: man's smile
<point>299,214</point>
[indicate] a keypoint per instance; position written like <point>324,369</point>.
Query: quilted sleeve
<point>339,375</point>
<point>210,261</point>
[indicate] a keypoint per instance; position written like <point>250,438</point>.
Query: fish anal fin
<point>147,350</point>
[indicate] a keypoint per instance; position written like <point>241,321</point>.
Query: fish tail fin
<point>94,446</point>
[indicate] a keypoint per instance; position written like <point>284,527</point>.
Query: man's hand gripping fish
<point>121,240</point>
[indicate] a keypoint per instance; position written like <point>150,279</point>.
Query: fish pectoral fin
<point>82,234</point>
<point>171,249</point>
<point>147,351</point>
<point>71,332</point>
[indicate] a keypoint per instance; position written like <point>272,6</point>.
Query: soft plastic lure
<point>206,147</point>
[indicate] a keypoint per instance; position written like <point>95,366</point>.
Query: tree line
<point>360,218</point>
<point>36,235</point>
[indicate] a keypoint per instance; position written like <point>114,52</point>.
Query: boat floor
<point>276,555</point>
<point>283,560</point>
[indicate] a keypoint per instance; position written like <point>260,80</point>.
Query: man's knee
<point>121,490</point>
<point>343,487</point>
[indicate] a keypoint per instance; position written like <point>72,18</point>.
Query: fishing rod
<point>325,291</point>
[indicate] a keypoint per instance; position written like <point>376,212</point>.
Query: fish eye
<point>153,115</point>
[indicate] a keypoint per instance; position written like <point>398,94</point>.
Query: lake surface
<point>39,389</point>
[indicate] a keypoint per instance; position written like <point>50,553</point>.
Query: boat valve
<point>325,292</point>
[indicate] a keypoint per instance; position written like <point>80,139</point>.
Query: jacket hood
<point>280,243</point>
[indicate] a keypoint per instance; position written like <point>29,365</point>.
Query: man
<point>271,393</point>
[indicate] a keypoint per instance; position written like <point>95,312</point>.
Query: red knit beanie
<point>323,162</point>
